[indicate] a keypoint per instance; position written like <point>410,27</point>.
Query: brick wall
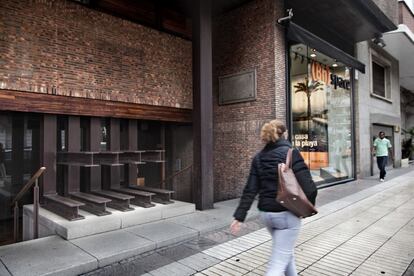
<point>246,38</point>
<point>406,16</point>
<point>57,46</point>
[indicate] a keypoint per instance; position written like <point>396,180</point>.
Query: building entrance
<point>19,159</point>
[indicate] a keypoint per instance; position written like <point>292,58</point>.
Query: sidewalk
<point>368,232</point>
<point>352,236</point>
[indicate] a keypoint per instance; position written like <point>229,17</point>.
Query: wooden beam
<point>12,100</point>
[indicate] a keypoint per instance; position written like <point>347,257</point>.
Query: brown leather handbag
<point>289,192</point>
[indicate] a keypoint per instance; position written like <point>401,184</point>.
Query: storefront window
<point>321,113</point>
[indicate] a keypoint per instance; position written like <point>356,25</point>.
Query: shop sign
<point>301,140</point>
<point>340,82</point>
<point>322,73</point>
<point>314,158</point>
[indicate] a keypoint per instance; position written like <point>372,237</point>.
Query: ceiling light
<point>313,50</point>
<point>334,65</point>
<point>313,55</point>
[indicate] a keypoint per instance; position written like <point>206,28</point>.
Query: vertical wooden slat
<point>162,169</point>
<point>48,151</point>
<point>73,146</point>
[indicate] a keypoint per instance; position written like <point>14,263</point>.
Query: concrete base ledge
<point>46,256</point>
<point>52,224</point>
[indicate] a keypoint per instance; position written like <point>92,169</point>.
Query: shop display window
<point>321,113</point>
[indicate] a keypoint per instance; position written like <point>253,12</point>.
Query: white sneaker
<point>381,179</point>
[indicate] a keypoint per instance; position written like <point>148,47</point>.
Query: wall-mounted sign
<point>239,87</point>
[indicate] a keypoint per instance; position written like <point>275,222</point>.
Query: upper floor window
<point>380,77</point>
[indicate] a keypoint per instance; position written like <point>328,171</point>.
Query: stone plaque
<point>239,87</point>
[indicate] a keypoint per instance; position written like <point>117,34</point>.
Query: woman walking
<point>283,225</point>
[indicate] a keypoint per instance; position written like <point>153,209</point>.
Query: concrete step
<point>52,224</point>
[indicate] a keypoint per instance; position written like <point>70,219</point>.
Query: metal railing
<point>15,202</point>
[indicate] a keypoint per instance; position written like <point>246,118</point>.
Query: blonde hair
<point>273,131</point>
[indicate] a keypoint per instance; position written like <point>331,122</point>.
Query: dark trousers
<point>382,162</point>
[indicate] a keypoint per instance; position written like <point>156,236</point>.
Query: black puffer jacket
<point>263,179</point>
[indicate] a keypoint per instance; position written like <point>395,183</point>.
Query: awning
<point>400,44</point>
<point>299,34</point>
<point>341,22</point>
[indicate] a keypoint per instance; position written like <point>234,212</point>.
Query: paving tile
<point>329,269</point>
<point>177,252</point>
<point>200,244</point>
<point>174,269</point>
<point>199,261</point>
<point>113,246</point>
<point>156,232</point>
<point>234,267</point>
<point>220,236</point>
<point>200,222</point>
<point>214,271</point>
<point>3,270</point>
<point>340,264</point>
<point>227,271</point>
<point>317,271</point>
<point>251,273</point>
<point>149,262</point>
<point>250,258</point>
<point>243,263</point>
<point>218,255</point>
<point>50,255</point>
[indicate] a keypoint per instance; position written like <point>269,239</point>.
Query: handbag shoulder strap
<point>289,158</point>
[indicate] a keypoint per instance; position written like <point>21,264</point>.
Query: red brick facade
<point>246,38</point>
<point>406,16</point>
<point>60,47</point>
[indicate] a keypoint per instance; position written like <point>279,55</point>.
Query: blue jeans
<point>382,162</point>
<point>284,228</point>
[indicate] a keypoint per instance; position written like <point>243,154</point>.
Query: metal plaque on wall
<point>239,87</point>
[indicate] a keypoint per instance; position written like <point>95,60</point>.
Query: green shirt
<point>382,146</point>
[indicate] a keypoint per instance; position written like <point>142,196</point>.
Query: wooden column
<point>92,175</point>
<point>73,172</point>
<point>111,173</point>
<point>17,169</point>
<point>131,170</point>
<point>162,169</point>
<point>132,135</point>
<point>48,153</point>
<point>202,106</point>
<point>114,135</point>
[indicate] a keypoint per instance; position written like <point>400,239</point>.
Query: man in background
<point>382,148</point>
